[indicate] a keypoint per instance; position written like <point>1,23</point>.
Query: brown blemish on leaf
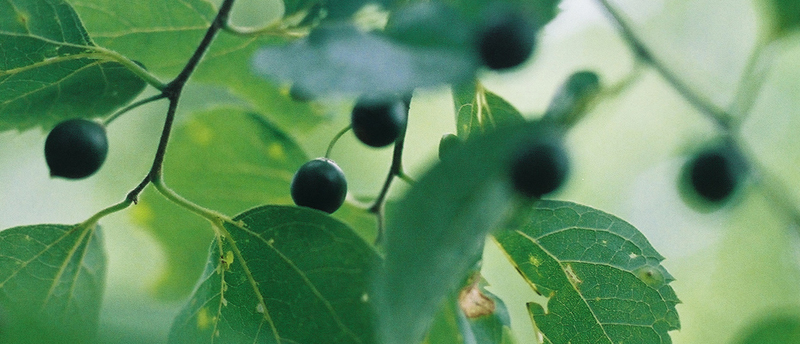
<point>475,304</point>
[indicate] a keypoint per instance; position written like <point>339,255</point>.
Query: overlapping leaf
<point>51,283</point>
<point>436,233</point>
<point>282,275</point>
<point>603,278</point>
<point>488,322</point>
<point>49,71</point>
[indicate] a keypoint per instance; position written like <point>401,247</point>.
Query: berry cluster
<point>376,122</point>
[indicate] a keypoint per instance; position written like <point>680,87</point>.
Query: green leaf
<point>479,111</point>
<point>773,329</point>
<point>604,281</point>
<point>573,97</point>
<point>786,15</point>
<point>436,233</point>
<point>231,69</point>
<point>50,70</point>
<point>226,159</point>
<point>51,283</point>
<point>344,59</point>
<point>160,34</point>
<point>542,11</point>
<point>282,275</point>
<point>164,40</point>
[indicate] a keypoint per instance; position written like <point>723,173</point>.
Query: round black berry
<point>539,167</point>
<point>506,39</point>
<point>714,174</point>
<point>379,122</point>
<point>76,148</point>
<point>319,184</point>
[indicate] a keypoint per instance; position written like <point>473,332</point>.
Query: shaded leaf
<point>603,279</point>
<point>344,59</point>
<point>282,275</point>
<point>226,159</point>
<point>49,71</point>
<point>51,283</point>
<point>479,111</point>
<point>435,235</point>
<point>786,14</point>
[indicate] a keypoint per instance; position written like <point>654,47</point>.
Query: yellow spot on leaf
<point>534,261</point>
<point>199,133</point>
<point>650,276</point>
<point>203,319</point>
<point>276,151</point>
<point>260,308</point>
<point>226,260</point>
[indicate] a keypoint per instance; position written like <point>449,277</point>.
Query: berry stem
<point>336,139</point>
<point>132,106</point>
<point>396,170</point>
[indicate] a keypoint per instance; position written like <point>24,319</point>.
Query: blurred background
<point>735,267</point>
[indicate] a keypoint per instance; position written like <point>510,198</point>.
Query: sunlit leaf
<point>51,283</point>
<point>49,71</point>
<point>603,279</point>
<point>262,284</point>
<point>479,111</point>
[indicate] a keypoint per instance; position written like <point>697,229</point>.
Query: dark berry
<point>76,148</point>
<point>506,39</point>
<point>539,167</point>
<point>714,174</point>
<point>379,122</point>
<point>319,184</point>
